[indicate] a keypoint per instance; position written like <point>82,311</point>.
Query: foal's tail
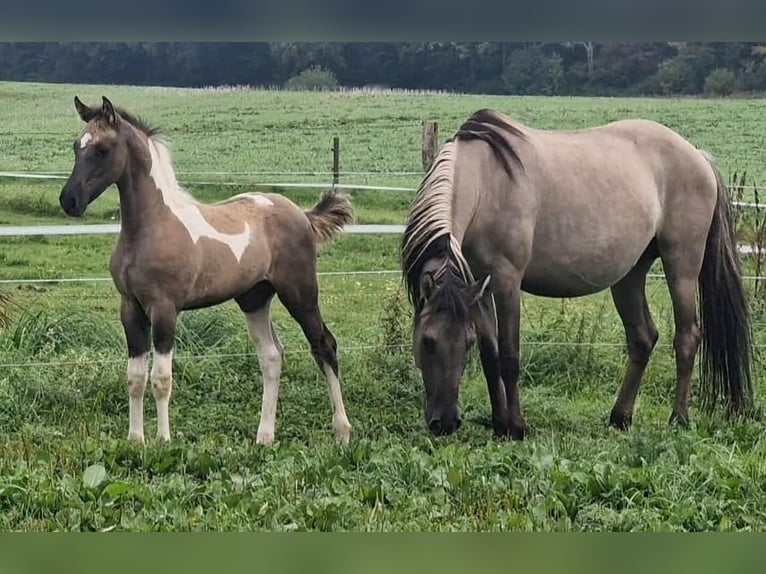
<point>726,350</point>
<point>331,213</point>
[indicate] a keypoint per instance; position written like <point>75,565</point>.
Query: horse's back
<point>592,201</point>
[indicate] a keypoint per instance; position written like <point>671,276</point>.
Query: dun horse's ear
<point>427,287</point>
<point>86,113</point>
<point>476,291</point>
<point>107,110</point>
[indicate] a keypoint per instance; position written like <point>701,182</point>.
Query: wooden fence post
<point>429,146</point>
<point>335,160</point>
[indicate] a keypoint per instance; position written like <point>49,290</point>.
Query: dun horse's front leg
<point>486,332</point>
<point>163,335</point>
<point>506,287</point>
<point>136,326</point>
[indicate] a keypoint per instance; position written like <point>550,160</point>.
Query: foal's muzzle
<point>72,202</point>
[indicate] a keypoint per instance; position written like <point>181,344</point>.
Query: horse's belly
<point>575,274</point>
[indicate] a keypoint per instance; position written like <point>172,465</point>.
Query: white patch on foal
<point>270,359</point>
<point>183,206</point>
<point>261,200</point>
<point>162,387</point>
<point>85,140</point>
<point>138,368</point>
<point>339,419</point>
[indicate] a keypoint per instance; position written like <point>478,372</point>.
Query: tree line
<point>564,68</point>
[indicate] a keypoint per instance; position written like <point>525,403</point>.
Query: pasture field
<point>64,460</point>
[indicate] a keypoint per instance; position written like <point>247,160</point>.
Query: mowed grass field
<point>64,460</point>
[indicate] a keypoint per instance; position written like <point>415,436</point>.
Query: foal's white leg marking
<point>86,138</point>
<point>183,206</point>
<point>270,359</point>
<point>339,419</point>
<point>162,386</point>
<point>138,369</point>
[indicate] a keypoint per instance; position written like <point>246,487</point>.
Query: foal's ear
<point>86,113</point>
<point>475,292</point>
<point>427,287</point>
<point>107,110</point>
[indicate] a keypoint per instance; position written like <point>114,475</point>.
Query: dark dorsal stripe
<point>491,128</point>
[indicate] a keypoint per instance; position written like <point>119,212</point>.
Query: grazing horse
<point>174,254</point>
<point>506,208</point>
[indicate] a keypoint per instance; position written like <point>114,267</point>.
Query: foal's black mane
<point>491,128</point>
<point>138,122</point>
<point>134,120</point>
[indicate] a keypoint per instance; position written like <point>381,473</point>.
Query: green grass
<point>64,461</point>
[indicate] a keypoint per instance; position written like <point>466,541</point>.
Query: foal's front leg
<point>163,336</point>
<point>136,326</point>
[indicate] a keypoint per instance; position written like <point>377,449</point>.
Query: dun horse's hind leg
<point>300,299</point>
<point>683,292</point>
<point>136,326</point>
<point>629,297</point>
<point>256,305</point>
<point>163,317</point>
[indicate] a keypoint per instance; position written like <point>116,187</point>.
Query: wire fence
<point>20,231</point>
<point>309,185</point>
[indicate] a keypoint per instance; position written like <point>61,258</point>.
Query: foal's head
<point>444,331</point>
<point>101,155</point>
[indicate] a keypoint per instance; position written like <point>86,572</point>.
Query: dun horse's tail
<point>726,350</point>
<point>331,213</point>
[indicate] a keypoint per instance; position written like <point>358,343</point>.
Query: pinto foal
<point>175,254</point>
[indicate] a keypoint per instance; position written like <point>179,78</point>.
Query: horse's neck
<point>146,191</point>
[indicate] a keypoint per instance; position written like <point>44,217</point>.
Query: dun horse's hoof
<point>517,431</point>
<point>679,419</point>
<point>621,421</point>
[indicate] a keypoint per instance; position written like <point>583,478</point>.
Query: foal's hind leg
<point>136,326</point>
<point>629,297</point>
<point>256,305</point>
<point>300,297</point>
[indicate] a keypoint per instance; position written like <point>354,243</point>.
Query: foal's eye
<point>101,151</point>
<point>429,344</point>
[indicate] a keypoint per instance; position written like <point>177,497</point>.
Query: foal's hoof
<point>342,431</point>
<point>136,438</point>
<point>264,438</point>
<point>679,419</point>
<point>620,421</point>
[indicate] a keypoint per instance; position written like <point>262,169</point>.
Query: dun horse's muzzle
<point>444,425</point>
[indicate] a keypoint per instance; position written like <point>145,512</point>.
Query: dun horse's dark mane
<point>491,128</point>
<point>428,233</point>
<point>448,295</point>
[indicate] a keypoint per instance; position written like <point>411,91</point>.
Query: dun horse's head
<point>100,157</point>
<point>443,332</point>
